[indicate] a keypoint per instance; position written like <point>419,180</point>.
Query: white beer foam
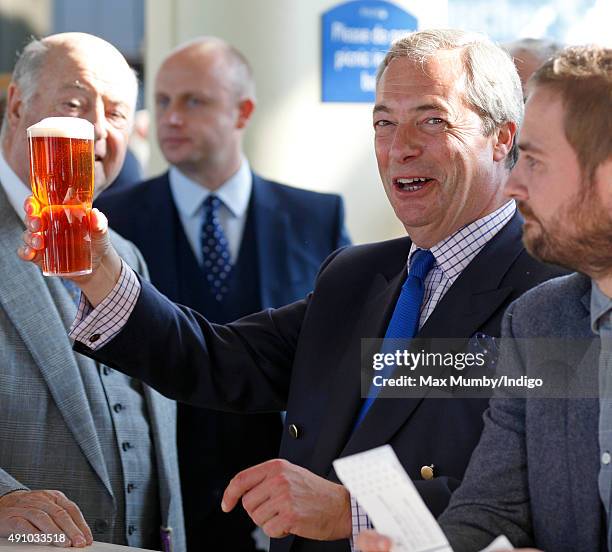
<point>63,127</point>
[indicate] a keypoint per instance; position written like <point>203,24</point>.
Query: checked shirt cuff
<point>360,521</point>
<point>96,327</point>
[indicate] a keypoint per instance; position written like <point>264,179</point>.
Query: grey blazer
<point>533,476</point>
<point>47,434</point>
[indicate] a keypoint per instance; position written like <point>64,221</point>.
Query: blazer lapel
<point>26,299</point>
<point>163,236</point>
<point>371,323</point>
<point>473,298</point>
<point>274,264</point>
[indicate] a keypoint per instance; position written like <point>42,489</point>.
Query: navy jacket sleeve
<point>256,354</point>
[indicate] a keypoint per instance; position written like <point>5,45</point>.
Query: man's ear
<point>14,105</point>
<point>504,140</point>
<point>245,110</point>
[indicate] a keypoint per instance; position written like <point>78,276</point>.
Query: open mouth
<point>413,184</point>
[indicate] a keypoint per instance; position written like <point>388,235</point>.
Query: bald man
<point>271,239</point>
<point>85,452</point>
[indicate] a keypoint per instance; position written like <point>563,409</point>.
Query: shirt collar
<point>16,190</point>
<point>234,193</point>
<point>454,253</point>
<point>601,309</point>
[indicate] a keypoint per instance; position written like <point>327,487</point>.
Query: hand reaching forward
<point>371,541</point>
<point>285,499</point>
<point>44,513</point>
<point>106,264</point>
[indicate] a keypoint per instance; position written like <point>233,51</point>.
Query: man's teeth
<point>411,184</point>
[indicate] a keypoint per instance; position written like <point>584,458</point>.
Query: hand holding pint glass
<point>61,176</point>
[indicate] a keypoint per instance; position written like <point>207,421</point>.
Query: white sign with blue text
<point>355,37</point>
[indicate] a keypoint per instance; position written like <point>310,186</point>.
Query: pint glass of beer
<point>61,175</point>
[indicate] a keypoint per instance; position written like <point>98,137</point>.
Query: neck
<point>427,237</point>
<point>604,283</point>
<point>9,158</point>
<point>212,176</point>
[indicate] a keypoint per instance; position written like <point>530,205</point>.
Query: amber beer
<point>62,180</point>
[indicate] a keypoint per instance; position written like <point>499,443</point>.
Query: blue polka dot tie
<point>215,249</point>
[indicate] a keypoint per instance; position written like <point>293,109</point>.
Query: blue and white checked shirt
<point>452,255</point>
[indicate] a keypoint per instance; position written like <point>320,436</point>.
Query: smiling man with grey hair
<point>85,452</point>
<point>443,168</point>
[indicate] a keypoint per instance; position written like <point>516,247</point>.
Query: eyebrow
<point>76,85</point>
<point>529,147</point>
<point>83,88</point>
<point>378,108</point>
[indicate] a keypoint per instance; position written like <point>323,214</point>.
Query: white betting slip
<point>379,483</point>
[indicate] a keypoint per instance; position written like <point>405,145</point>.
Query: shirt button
<point>605,458</point>
<point>94,337</point>
<point>106,370</point>
<point>130,487</point>
<point>131,530</point>
<point>118,407</point>
<point>126,445</point>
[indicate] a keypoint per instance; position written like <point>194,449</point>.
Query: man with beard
<point>542,472</point>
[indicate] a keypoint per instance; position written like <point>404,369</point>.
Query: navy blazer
<point>305,358</point>
<point>311,224</point>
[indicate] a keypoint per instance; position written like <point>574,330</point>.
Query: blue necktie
<point>215,249</point>
<point>404,322</point>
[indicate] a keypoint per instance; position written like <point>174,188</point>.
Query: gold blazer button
<point>427,472</point>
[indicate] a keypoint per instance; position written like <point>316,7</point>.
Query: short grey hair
<point>492,85</point>
<point>540,48</point>
<point>26,72</point>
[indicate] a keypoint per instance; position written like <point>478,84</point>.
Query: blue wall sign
<point>355,38</point>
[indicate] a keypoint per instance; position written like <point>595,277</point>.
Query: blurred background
<point>294,137</point>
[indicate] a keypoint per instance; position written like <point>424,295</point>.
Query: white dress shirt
<point>189,197</point>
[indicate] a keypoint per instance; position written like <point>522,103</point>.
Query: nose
<point>99,122</point>
<point>170,116</point>
<point>406,144</point>
<point>515,187</point>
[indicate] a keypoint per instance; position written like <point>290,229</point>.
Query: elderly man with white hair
<point>85,452</point>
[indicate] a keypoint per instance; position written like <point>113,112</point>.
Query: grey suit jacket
<point>47,434</point>
<point>533,476</point>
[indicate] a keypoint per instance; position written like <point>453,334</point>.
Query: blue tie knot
<point>212,204</point>
<point>421,263</point>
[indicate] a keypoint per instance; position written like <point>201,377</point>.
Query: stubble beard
<point>578,237</point>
